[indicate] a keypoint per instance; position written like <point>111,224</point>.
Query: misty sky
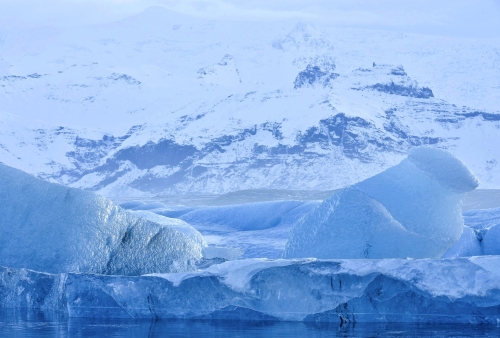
<point>456,17</point>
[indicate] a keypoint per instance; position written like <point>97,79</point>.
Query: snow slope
<point>162,103</point>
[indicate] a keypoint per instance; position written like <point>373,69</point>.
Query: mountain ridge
<point>218,107</point>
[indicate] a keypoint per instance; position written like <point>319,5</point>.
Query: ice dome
<point>410,210</point>
<point>52,228</point>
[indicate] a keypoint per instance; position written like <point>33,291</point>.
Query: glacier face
<point>410,210</point>
<point>49,227</point>
<point>339,291</point>
<point>287,104</point>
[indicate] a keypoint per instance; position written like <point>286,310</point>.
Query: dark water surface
<point>18,324</point>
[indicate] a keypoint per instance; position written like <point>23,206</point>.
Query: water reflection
<point>17,323</point>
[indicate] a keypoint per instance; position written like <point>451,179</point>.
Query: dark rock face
<point>392,80</point>
<point>124,77</point>
<point>164,152</point>
<point>485,116</point>
<point>403,90</point>
<point>314,75</point>
<point>398,71</point>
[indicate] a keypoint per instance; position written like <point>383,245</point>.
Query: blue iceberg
<point>410,210</point>
<point>52,228</point>
<point>468,245</point>
<point>249,230</point>
<point>101,261</point>
<point>481,234</point>
<point>462,290</point>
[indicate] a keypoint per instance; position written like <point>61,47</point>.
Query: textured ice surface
<point>481,236</point>
<point>49,227</point>
<point>251,216</point>
<point>389,290</point>
<point>258,229</point>
<point>410,210</point>
<point>486,223</point>
<point>173,223</point>
<point>468,245</point>
<point>491,241</point>
<point>483,219</point>
<point>251,230</point>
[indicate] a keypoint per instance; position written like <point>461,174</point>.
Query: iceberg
<point>486,224</point>
<point>461,290</point>
<point>249,230</point>
<point>246,217</point>
<point>491,241</point>
<point>257,229</point>
<point>52,228</point>
<point>173,223</point>
<point>481,234</point>
<point>468,245</point>
<point>410,210</point>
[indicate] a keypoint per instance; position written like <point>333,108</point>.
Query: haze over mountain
<point>162,102</point>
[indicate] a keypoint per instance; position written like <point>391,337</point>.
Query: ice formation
<point>249,230</point>
<point>481,234</point>
<point>391,290</point>
<point>173,223</point>
<point>491,241</point>
<point>468,245</point>
<point>245,217</point>
<point>410,210</point>
<point>52,228</point>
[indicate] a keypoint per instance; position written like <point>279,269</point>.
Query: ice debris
<point>52,228</point>
<point>410,210</point>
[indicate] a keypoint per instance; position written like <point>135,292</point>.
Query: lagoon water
<point>18,323</point>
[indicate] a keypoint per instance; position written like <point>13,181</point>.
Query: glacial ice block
<point>410,210</point>
<point>243,217</point>
<point>468,245</point>
<point>173,223</point>
<point>338,291</point>
<point>481,234</point>
<point>52,228</point>
<point>491,241</point>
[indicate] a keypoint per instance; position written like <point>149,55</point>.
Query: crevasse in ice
<point>52,228</point>
<point>410,210</point>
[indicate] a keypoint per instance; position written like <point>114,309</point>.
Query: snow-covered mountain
<point>162,103</point>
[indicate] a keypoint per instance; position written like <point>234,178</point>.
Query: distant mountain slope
<point>164,103</point>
